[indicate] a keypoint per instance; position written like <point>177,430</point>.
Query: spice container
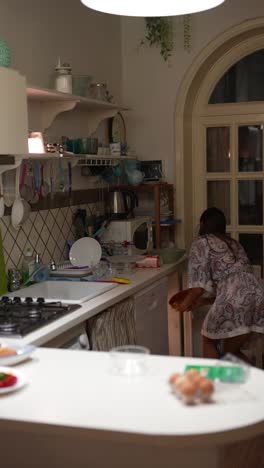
<point>98,91</point>
<point>63,77</point>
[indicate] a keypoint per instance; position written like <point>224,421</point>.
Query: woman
<point>220,273</point>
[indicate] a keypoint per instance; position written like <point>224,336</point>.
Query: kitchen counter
<point>141,279</point>
<point>76,412</point>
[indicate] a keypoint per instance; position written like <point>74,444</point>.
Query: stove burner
<point>8,327</point>
<point>19,316</point>
<point>34,313</point>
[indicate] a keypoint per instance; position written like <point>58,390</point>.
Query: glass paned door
<point>234,177</point>
<point>250,146</point>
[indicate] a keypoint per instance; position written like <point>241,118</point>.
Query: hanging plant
<point>187,25</point>
<point>159,33</point>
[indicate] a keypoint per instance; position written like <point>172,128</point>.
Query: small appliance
<point>137,232</point>
<point>121,203</point>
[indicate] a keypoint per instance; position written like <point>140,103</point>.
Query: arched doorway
<point>194,115</point>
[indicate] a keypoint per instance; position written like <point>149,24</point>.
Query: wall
<point>150,85</point>
<point>39,31</point>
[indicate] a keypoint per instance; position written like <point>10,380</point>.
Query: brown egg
<point>206,389</point>
<point>188,391</point>
<point>180,381</point>
<point>173,378</point>
<point>192,373</point>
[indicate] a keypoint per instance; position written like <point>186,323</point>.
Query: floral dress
<point>226,274</point>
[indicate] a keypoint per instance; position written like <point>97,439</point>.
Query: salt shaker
<point>63,77</point>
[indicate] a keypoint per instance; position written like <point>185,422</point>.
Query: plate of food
<point>11,355</point>
<point>10,380</point>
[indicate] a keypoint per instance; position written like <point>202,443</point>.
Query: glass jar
<point>98,91</point>
<point>63,78</point>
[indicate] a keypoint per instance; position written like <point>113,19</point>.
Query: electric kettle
<point>121,203</point>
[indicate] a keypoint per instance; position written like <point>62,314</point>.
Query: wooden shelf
<point>156,188</point>
<point>51,95</point>
<point>47,104</point>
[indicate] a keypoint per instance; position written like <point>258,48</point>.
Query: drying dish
<point>11,355</point>
<point>85,252</point>
<point>19,380</point>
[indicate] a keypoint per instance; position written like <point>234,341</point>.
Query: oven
<point>75,338</point>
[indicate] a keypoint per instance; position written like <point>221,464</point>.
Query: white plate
<point>85,252</point>
<point>21,380</point>
<point>22,353</point>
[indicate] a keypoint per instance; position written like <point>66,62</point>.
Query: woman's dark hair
<point>213,221</point>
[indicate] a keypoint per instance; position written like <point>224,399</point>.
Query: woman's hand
<point>188,299</point>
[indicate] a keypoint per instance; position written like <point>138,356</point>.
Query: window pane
<point>250,148</point>
<point>250,202</point>
<point>243,82</point>
<point>218,195</point>
<point>253,245</point>
<point>217,149</point>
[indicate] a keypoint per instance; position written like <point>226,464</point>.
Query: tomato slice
<point>7,380</point>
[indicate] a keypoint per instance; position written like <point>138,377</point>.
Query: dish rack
<point>68,270</point>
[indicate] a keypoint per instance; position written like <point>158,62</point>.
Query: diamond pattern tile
<point>45,232</point>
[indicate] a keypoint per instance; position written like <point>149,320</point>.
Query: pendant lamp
<point>151,8</point>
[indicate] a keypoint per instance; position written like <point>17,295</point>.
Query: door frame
<point>192,103</point>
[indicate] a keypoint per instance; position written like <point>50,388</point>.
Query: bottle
<point>41,272</point>
<point>63,77</point>
<point>28,265</point>
<point>3,281</point>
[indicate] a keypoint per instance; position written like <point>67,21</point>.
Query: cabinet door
<point>151,318</point>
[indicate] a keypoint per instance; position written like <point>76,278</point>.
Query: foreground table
<point>75,412</point>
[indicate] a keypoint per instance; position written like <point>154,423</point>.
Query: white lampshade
<point>151,7</point>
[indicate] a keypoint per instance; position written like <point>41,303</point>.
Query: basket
<point>169,254</point>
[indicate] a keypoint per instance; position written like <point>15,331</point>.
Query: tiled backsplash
<point>46,232</point>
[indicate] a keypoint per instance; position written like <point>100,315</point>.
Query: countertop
<point>143,278</point>
<point>75,389</point>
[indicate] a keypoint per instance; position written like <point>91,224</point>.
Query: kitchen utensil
<point>85,252</point>
<point>61,177</point>
<point>2,203</point>
<point>70,178</point>
<point>9,187</point>
<point>120,203</point>
<point>21,208</point>
<point>3,281</point>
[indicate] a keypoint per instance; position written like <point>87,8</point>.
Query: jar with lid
<point>98,91</point>
<point>63,77</point>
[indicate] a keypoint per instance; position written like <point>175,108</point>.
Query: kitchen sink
<point>68,292</point>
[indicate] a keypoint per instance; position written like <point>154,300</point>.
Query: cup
<point>129,360</point>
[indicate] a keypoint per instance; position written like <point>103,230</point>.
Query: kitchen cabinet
<point>14,126</point>
<point>157,189</point>
<point>151,317</point>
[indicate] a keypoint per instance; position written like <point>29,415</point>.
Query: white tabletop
<point>78,389</point>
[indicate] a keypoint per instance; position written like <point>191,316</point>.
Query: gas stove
<point>19,317</point>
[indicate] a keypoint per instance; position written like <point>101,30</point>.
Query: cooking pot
<point>121,203</point>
